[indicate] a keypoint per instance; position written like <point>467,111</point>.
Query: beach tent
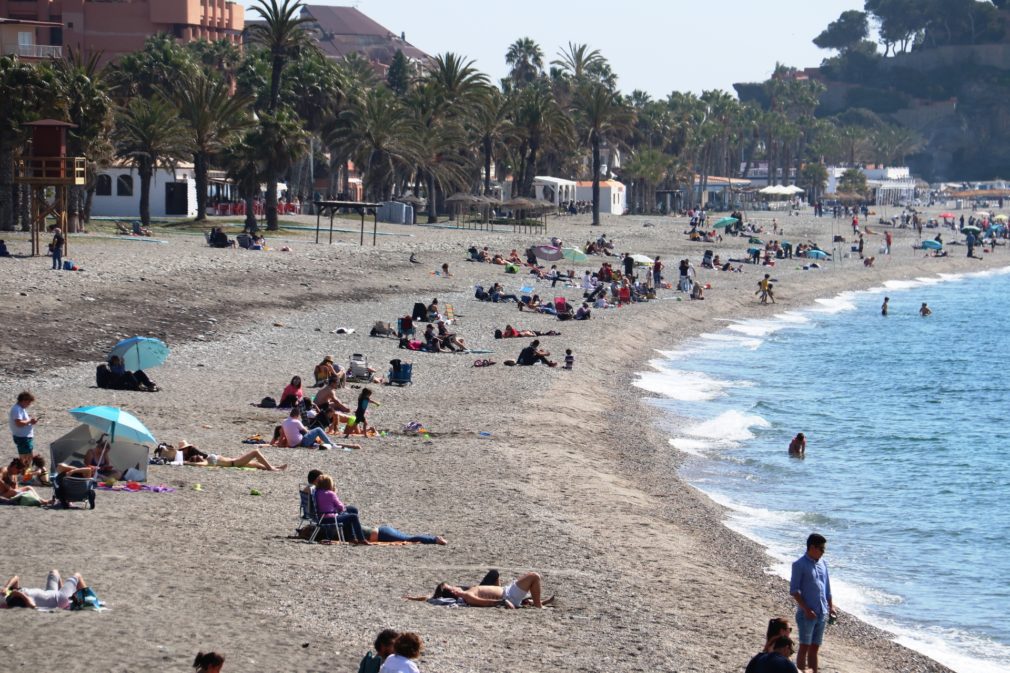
<point>123,454</point>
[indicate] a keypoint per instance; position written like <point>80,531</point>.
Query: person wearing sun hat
<point>326,369</point>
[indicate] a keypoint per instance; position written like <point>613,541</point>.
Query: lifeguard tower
<point>50,172</point>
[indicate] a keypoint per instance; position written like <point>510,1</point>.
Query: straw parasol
<point>411,199</point>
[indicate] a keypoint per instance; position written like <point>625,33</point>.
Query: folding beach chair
<point>405,327</point>
<point>560,304</point>
<point>67,490</point>
<point>357,368</point>
<point>307,513</point>
<point>400,373</point>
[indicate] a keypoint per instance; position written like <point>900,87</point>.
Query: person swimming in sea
<point>924,310</point>
<point>798,447</point>
<point>884,307</point>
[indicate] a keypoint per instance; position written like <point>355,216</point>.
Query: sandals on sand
<point>483,363</point>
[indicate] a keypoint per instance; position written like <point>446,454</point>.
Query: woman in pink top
<point>293,393</point>
<point>328,506</point>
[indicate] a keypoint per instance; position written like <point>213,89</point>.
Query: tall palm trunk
<point>251,224</point>
<point>432,201</point>
<point>146,171</point>
<point>6,187</point>
<point>487,166</point>
<point>200,175</point>
<point>596,179</point>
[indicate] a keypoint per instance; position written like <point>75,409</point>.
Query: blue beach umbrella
<point>724,222</point>
<point>114,422</point>
<point>817,254</point>
<point>932,245</point>
<point>574,255</point>
<point>141,352</point>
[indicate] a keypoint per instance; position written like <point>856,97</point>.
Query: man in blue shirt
<point>810,587</point>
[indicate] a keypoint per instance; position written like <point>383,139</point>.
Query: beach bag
<point>511,268</point>
<point>68,265</point>
<point>104,377</point>
<point>268,403</point>
<point>85,599</point>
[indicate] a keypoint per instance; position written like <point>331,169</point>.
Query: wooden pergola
<point>361,207</point>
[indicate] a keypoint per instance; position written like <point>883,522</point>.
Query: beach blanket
<point>135,487</point>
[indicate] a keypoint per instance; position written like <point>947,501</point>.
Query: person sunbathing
<point>514,258</point>
<point>386,533</point>
<point>196,458</point>
<point>498,259</point>
<point>56,595</point>
<point>492,595</point>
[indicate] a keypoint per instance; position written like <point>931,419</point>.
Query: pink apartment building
<point>117,27</point>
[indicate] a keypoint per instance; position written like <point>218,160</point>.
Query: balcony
<point>35,51</point>
<point>51,171</point>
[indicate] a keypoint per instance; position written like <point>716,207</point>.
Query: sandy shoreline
<point>576,481</point>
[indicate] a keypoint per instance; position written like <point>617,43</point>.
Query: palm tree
<point>539,121</point>
<point>604,118</point>
<point>578,60</point>
<point>457,83</point>
<point>26,91</point>
<point>243,164</point>
<point>493,129</point>
<point>214,116</point>
<point>283,35</point>
<point>526,60</point>
<point>83,85</point>
<point>149,134</point>
<point>377,134</point>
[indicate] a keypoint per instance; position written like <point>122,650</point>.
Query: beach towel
<point>134,487</point>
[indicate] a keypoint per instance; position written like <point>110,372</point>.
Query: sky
<point>657,46</point>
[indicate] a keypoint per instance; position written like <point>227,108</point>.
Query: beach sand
<point>576,479</point>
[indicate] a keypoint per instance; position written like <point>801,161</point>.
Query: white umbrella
<point>793,189</point>
<point>642,260</point>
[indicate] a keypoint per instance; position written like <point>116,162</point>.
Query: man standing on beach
<point>22,427</point>
<point>810,587</point>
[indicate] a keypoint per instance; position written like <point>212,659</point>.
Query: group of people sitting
<point>436,339</point>
<point>484,255</point>
<point>601,246</point>
<point>309,421</point>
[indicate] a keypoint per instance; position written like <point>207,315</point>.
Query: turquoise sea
<point>907,471</point>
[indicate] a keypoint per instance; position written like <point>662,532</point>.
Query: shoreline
<point>576,481</point>
<point>901,632</point>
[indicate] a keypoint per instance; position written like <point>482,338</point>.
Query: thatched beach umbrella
<point>461,199</point>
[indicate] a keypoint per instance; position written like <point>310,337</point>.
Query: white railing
<point>38,51</point>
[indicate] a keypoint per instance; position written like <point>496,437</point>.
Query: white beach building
<point>117,193</point>
<point>556,190</point>
<point>613,195</point>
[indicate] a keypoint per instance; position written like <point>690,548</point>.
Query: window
<point>103,185</point>
<point>26,38</point>
<point>124,185</point>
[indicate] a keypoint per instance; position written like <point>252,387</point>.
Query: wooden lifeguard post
<point>46,167</point>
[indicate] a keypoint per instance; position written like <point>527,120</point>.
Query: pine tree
<point>398,78</point>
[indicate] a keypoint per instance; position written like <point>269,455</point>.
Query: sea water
<point>907,467</point>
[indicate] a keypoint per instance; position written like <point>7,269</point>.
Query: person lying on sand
<point>57,593</point>
<point>510,596</point>
<point>197,458</point>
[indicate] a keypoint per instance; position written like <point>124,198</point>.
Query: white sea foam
<point>681,385</point>
<point>731,426</point>
<point>733,340</point>
<point>694,447</point>
<point>837,304</point>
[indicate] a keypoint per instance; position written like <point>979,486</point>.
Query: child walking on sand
<point>364,399</point>
<point>569,359</point>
